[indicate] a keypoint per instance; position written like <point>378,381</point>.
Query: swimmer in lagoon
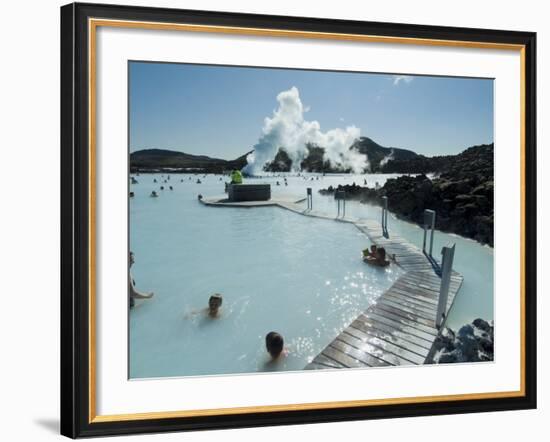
<point>214,304</point>
<point>213,309</point>
<point>134,294</point>
<point>379,258</point>
<point>369,253</point>
<point>274,344</point>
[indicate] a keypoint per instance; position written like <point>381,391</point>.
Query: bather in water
<point>378,258</point>
<point>134,294</point>
<point>274,344</point>
<point>213,309</point>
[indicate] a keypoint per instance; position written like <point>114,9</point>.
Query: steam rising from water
<point>387,158</point>
<point>287,128</point>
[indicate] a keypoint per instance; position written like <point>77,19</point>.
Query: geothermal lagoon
<point>276,270</point>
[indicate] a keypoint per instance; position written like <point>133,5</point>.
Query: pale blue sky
<point>219,111</point>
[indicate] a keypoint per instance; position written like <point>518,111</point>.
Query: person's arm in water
<point>138,295</point>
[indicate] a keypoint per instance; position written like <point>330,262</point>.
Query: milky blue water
<point>276,270</point>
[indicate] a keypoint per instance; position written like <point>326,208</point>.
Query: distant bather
<point>236,177</point>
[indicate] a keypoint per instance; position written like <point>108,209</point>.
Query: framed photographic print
<point>278,220</point>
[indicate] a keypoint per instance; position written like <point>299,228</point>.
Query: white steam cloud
<point>288,129</point>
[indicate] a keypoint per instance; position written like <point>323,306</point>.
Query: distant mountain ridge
<point>377,153</point>
<point>381,160</point>
<point>150,160</point>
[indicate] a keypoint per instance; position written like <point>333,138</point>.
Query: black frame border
<point>75,220</point>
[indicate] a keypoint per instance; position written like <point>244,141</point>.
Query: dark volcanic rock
<point>462,195</point>
<point>472,343</point>
<point>281,162</point>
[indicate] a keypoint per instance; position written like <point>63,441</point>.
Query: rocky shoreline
<point>462,194</point>
<point>471,343</point>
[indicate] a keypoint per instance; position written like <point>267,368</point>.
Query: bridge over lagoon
<point>401,327</point>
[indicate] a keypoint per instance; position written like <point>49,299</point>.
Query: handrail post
<point>384,214</point>
<point>340,196</point>
<point>429,221</point>
<point>344,203</point>
<point>448,253</point>
<point>309,199</point>
<point>432,233</point>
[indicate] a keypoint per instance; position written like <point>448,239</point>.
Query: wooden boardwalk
<point>222,201</point>
<point>399,329</point>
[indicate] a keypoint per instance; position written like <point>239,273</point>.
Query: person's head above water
<point>132,260</point>
<point>214,304</point>
<point>274,343</point>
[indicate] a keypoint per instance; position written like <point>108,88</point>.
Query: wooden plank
<point>341,357</point>
<point>406,357</point>
<point>390,336</point>
<point>389,358</point>
<point>317,366</point>
<point>404,317</point>
<point>428,295</point>
<point>399,324</point>
<point>417,314</point>
<point>366,353</point>
<point>382,308</point>
<point>347,354</point>
<point>428,281</point>
<point>320,359</point>
<point>398,330</point>
<point>419,297</point>
<point>409,301</point>
<point>427,285</point>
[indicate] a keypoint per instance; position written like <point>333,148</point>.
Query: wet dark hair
<point>274,343</point>
<point>382,252</point>
<point>215,297</point>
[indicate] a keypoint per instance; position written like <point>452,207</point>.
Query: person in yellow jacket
<point>236,177</point>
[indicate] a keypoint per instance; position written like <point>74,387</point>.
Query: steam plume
<point>387,158</point>
<point>287,128</point>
